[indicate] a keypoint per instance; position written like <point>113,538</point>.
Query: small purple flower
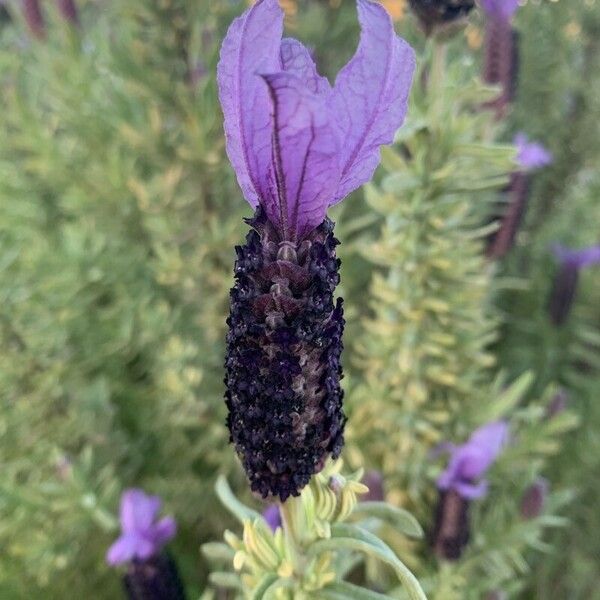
<point>32,12</point>
<point>272,516</point>
<point>564,287</point>
<point>298,145</point>
<point>500,9</point>
<point>374,481</point>
<point>469,462</point>
<point>558,404</point>
<point>531,155</point>
<point>68,10</point>
<point>142,536</point>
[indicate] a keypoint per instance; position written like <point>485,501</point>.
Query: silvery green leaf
<point>399,517</point>
<point>231,503</point>
<point>342,590</point>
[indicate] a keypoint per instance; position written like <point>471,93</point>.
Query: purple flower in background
<point>534,498</point>
<point>469,462</point>
<point>68,10</point>
<point>33,17</point>
<point>501,9</point>
<point>142,536</point>
<point>565,282</point>
<point>297,145</point>
<point>531,155</point>
<point>272,516</point>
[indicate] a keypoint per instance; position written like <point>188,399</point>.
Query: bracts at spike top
<point>298,145</point>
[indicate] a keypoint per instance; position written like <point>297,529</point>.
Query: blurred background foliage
<point>118,218</point>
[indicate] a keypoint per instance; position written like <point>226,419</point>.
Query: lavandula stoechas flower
<point>32,12</point>
<point>434,14</point>
<point>530,156</point>
<point>564,287</point>
<point>463,481</point>
<point>298,145</point>
<point>68,11</point>
<point>151,573</point>
<point>501,60</point>
<point>534,498</point>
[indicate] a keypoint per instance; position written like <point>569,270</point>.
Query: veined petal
<point>252,44</point>
<point>305,168</point>
<point>370,96</point>
<point>138,510</point>
<point>296,59</point>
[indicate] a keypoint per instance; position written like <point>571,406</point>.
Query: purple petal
<point>138,511</point>
<point>272,516</point>
<point>503,9</point>
<point>370,96</point>
<point>584,257</point>
<point>305,169</point>
<point>252,44</point>
<point>127,547</point>
<point>531,155</point>
<point>296,59</point>
<point>164,531</point>
<point>471,491</point>
<point>490,438</point>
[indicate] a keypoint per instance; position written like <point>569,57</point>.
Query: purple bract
<point>469,462</point>
<point>297,144</point>
<point>142,536</point>
<point>502,9</point>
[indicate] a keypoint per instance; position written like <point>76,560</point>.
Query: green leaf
<point>342,590</point>
<point>225,580</point>
<point>232,504</point>
<point>351,537</point>
<point>258,593</point>
<point>401,518</point>
<point>217,551</point>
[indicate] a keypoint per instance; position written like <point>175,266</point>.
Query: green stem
<point>290,511</point>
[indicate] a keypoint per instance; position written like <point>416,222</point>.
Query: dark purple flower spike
<point>298,145</point>
<point>501,59</point>
<point>534,499</point>
<point>68,11</point>
<point>461,482</point>
<point>530,156</point>
<point>32,13</point>
<point>564,287</point>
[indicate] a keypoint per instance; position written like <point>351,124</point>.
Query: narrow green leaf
<point>231,503</point>
<point>342,590</point>
<point>258,593</point>
<point>351,537</point>
<point>225,580</point>
<point>399,517</point>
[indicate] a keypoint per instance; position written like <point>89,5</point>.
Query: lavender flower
<point>374,481</point>
<point>558,404</point>
<point>469,462</point>
<point>501,59</point>
<point>68,10</point>
<point>564,287</point>
<point>462,482</point>
<point>142,537</point>
<point>298,145</point>
<point>433,14</point>
<point>531,155</point>
<point>34,18</point>
<point>534,498</point>
<point>151,574</point>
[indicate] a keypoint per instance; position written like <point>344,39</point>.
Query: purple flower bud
<point>433,14</point>
<point>565,282</point>
<point>142,537</point>
<point>34,18</point>
<point>156,578</point>
<point>272,516</point>
<point>297,146</point>
<point>495,595</point>
<point>501,62</point>
<point>374,481</point>
<point>534,498</point>
<point>469,462</point>
<point>68,11</point>
<point>451,530</point>
<point>500,9</point>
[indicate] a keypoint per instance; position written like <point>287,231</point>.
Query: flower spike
<point>297,146</point>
